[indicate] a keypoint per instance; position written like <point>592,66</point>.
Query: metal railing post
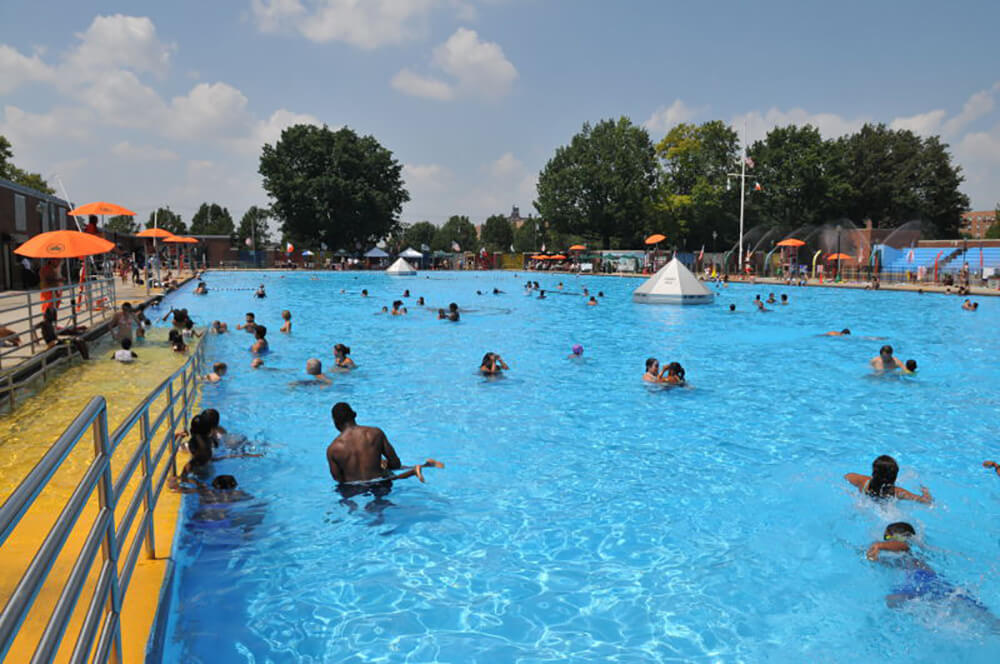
<point>31,322</point>
<point>147,483</point>
<point>109,547</point>
<point>90,303</point>
<point>10,390</point>
<point>172,429</point>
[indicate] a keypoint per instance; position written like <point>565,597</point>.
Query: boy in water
<point>250,325</point>
<point>911,367</point>
<point>218,371</point>
<point>286,316</point>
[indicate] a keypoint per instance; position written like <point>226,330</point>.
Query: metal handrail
<point>102,622</point>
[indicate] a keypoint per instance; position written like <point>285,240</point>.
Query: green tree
<point>602,184</point>
<point>418,235</point>
<point>19,176</point>
<point>123,224</point>
<point>168,220</point>
<point>253,226</point>
<point>212,219</point>
<point>497,233</point>
<point>333,186</point>
<point>457,229</point>
<point>993,232</point>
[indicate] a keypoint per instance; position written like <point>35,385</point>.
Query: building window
<point>20,213</point>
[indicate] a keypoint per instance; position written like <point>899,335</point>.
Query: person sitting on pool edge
<point>886,361</point>
<point>341,357</point>
<point>286,316</point>
<point>882,483</point>
<point>356,455</point>
<point>492,365</point>
<point>125,354</point>
<point>260,345</point>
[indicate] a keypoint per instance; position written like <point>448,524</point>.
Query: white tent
<point>411,253</point>
<point>673,284</point>
<point>400,268</point>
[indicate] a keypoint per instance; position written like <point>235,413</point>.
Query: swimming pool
<point>584,516</point>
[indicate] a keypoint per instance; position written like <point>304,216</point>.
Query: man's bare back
<point>356,454</point>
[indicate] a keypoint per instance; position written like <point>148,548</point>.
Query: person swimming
<point>453,313</point>
<point>341,357</point>
<point>732,307</point>
<point>911,367</point>
<point>492,365</point>
<point>886,361</point>
<point>771,299</point>
<point>260,292</point>
<point>843,333</point>
<point>577,352</point>
<point>218,371</point>
<point>882,482</point>
<point>396,311</point>
<point>260,345</point>
<point>202,289</point>
<point>286,316</point>
<point>675,374</point>
<point>315,369</point>
<point>592,302</point>
<point>249,324</point>
<point>653,373</point>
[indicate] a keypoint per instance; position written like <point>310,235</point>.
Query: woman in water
<point>882,483</point>
<point>653,373</point>
<point>492,365</point>
<point>259,346</point>
<point>341,357</point>
<point>675,374</point>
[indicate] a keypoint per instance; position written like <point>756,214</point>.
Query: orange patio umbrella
<point>791,242</point>
<point>839,257</point>
<point>181,239</point>
<point>655,238</point>
<point>102,208</point>
<point>578,247</point>
<point>64,244</point>
<point>557,257</point>
<point>155,233</point>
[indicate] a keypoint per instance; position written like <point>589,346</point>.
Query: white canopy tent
<point>411,253</point>
<point>400,269</point>
<point>673,284</point>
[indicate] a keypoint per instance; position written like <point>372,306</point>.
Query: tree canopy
<point>17,175</point>
<point>212,219</point>
<point>123,224</point>
<point>497,233</point>
<point>458,229</point>
<point>253,227</point>
<point>418,235</point>
<point>602,184</point>
<point>168,220</point>
<point>332,186</point>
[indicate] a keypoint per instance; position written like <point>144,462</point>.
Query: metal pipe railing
<point>102,622</point>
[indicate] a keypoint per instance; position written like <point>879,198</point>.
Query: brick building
<point>25,212</point>
<point>975,224</point>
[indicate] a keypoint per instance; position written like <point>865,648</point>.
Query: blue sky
<point>152,103</point>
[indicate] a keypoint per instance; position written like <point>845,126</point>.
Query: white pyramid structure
<point>400,269</point>
<point>673,284</point>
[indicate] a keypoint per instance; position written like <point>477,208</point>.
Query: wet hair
<point>486,359</point>
<point>898,530</point>
<point>593,299</point>
<point>286,314</point>
<point>784,297</point>
<point>224,483</point>
<point>126,343</point>
<point>364,291</point>
<point>732,307</point>
<point>211,414</point>
<point>259,331</point>
<point>396,304</point>
<point>314,367</point>
<point>201,425</point>
<point>885,350</point>
<point>250,314</point>
<point>452,307</point>
<point>341,348</point>
<point>175,337</point>
<point>216,325</point>
<point>675,369</point>
<point>845,331</point>
<point>600,293</point>
<point>577,349</point>
<point>883,481</point>
<point>219,366</point>
<point>650,362</point>
<point>188,324</point>
<point>342,414</point>
<point>911,365</point>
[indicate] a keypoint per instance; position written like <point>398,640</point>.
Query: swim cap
<point>578,349</point>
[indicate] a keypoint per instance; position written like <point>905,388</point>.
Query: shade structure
<point>411,253</point>
<point>154,233</point>
<point>308,253</point>
<point>400,269</point>
<point>673,284</point>
<point>376,253</point>
<point>181,239</point>
<point>839,257</point>
<point>557,257</point>
<point>578,247</point>
<point>101,207</point>
<point>64,244</point>
<point>790,242</point>
<point>655,238</point>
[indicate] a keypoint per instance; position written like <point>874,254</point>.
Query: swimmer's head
<point>219,368</point>
<point>260,331</point>
<point>884,472</point>
<point>341,349</point>
<point>784,297</point>
<point>900,531</point>
<point>211,415</point>
<point>126,343</point>
<point>224,483</point>
<point>911,365</point>
<point>364,292</point>
<point>652,364</point>
<point>249,316</point>
<point>845,331</point>
<point>200,425</point>
<point>342,415</point>
<point>885,351</point>
<point>578,350</point>
<point>732,307</point>
<point>314,367</point>
<point>286,314</point>
<point>452,307</point>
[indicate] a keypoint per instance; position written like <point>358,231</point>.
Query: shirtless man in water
<point>356,455</point>
<point>886,361</point>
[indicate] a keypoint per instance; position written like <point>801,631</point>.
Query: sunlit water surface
<point>584,516</point>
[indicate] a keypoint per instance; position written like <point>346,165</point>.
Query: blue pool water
<point>584,516</point>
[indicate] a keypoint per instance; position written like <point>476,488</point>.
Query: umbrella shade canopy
<point>578,247</point>
<point>839,257</point>
<point>558,257</point>
<point>539,257</point>
<point>653,239</point>
<point>154,232</point>
<point>64,244</point>
<point>791,242</point>
<point>308,253</point>
<point>411,253</point>
<point>376,253</point>
<point>181,239</point>
<point>100,207</point>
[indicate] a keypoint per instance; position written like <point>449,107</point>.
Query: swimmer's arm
<point>392,459</point>
<point>924,497</point>
<point>335,470</point>
<point>878,547</point>
<point>856,479</point>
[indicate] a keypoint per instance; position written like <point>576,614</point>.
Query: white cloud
<point>981,146</point>
<point>923,123</point>
<point>977,106</point>
<point>127,151</point>
<point>425,177</point>
<point>121,99</point>
<point>665,118</point>
<point>16,68</point>
<point>209,110</point>
<point>366,24</point>
<point>119,41</point>
<point>506,165</point>
<point>480,67</point>
<point>25,130</point>
<point>830,125</point>
<point>407,82</point>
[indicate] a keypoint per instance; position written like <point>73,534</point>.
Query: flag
<point>701,254</point>
<point>289,249</point>
<point>543,246</point>
<point>757,187</point>
<point>750,162</point>
<point>455,246</point>
<point>909,256</point>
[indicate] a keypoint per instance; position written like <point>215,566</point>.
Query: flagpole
<point>743,188</point>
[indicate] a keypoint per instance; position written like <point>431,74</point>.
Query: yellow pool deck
<point>27,434</point>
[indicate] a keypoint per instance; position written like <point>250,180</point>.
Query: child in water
<point>882,483</point>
